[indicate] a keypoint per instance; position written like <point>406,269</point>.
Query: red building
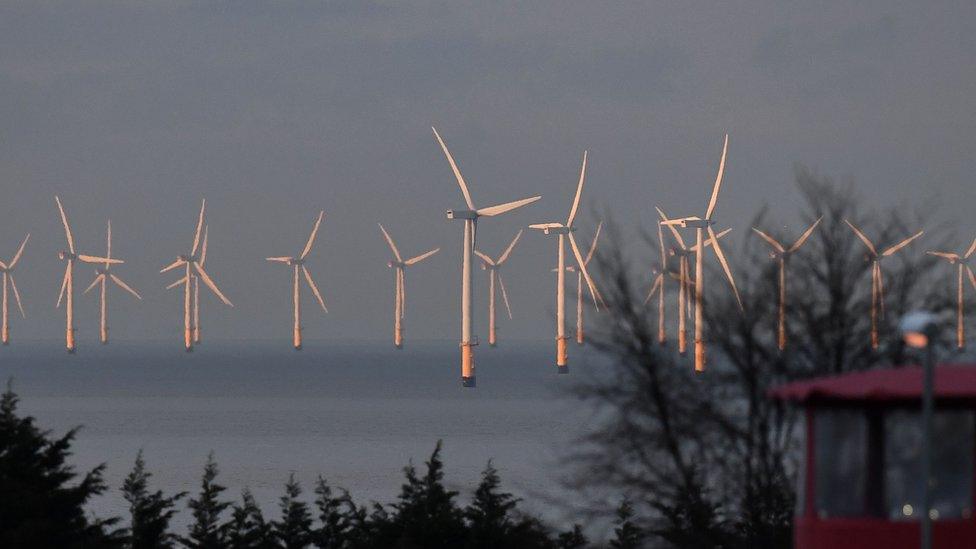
<point>859,481</point>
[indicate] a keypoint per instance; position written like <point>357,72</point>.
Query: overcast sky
<point>135,111</point>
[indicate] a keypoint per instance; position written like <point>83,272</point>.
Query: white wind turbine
<point>102,276</point>
<point>298,264</point>
<point>470,217</point>
<point>562,230</point>
<point>8,276</point>
<point>877,278</point>
<point>191,263</point>
<point>399,267</point>
<point>686,286</point>
<point>962,263</point>
<point>579,286</point>
<point>780,253</point>
<point>67,283</point>
<point>195,322</point>
<point>702,224</point>
<point>494,273</point>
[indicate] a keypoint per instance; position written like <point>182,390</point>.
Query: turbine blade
<point>863,238</point>
<point>281,259</point>
<point>543,226</point>
<point>94,283</point>
<point>203,250</point>
<point>173,265</point>
<point>772,241</point>
<point>20,251</point>
<point>508,250</point>
<point>457,172</point>
<point>579,193</point>
<point>501,285</point>
<point>507,207</point>
<point>658,282</point>
<point>972,278</point>
<point>901,244</point>
<point>108,240</point>
<point>67,229</point>
<point>718,179</point>
<point>315,290</point>
<point>660,241</point>
<point>806,234</point>
<point>13,285</point>
<point>421,257</point>
<point>484,257</point>
<point>972,248</point>
<point>949,256</point>
<point>196,236</point>
<point>708,242</point>
<point>124,286</point>
<point>582,267</point>
<point>311,237</point>
<point>596,237</point>
<point>402,292</point>
<point>725,265</point>
<point>210,284</point>
<point>674,230</point>
<point>177,283</point>
<point>881,292</point>
<point>64,283</point>
<point>96,259</point>
<point>389,240</point>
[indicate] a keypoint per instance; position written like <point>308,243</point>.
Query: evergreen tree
<point>488,520</point>
<point>572,539</point>
<point>207,531</point>
<point>330,533</point>
<point>150,511</point>
<point>294,530</point>
<point>627,534</point>
<point>425,515</point>
<point>41,505</point>
<point>248,529</point>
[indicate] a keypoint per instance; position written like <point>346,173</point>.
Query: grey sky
<point>274,110</point>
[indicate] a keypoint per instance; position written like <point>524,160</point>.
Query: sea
<point>355,413</point>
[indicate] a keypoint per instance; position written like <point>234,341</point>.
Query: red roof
<point>952,381</point>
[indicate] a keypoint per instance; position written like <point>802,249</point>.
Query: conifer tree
<point>331,530</point>
<point>41,498</point>
<point>488,520</point>
<point>294,530</point>
<point>207,531</point>
<point>627,534</point>
<point>150,511</point>
<point>572,539</point>
<point>247,528</point>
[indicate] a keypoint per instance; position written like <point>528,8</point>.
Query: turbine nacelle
<point>462,214</point>
<point>66,255</point>
<point>553,228</point>
<point>690,222</point>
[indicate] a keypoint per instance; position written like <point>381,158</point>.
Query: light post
<point>919,329</point>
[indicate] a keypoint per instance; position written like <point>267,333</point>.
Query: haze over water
<point>354,412</point>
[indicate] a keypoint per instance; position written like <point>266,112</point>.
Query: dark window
<point>841,462</point>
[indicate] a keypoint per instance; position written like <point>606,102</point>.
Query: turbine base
<point>468,381</point>
<point>564,369</point>
<point>298,347</point>
<point>71,351</point>
<point>398,346</point>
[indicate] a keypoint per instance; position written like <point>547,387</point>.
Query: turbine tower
<point>686,286</point>
<point>702,224</point>
<point>780,254</point>
<point>877,279</point>
<point>470,217</point>
<point>191,262</point>
<point>298,264</point>
<point>196,288</point>
<point>399,267</point>
<point>963,264</point>
<point>67,283</point>
<point>102,276</point>
<point>562,231</point>
<point>8,276</point>
<point>493,267</point>
<point>579,286</point>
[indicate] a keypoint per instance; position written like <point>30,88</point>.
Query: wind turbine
<point>686,286</point>
<point>963,264</point>
<point>400,293</point>
<point>298,264</point>
<point>191,263</point>
<point>8,275</point>
<point>579,286</point>
<point>780,254</point>
<point>494,273</point>
<point>877,279</point>
<point>102,276</point>
<point>67,283</point>
<point>562,231</point>
<point>470,217</point>
<point>702,224</point>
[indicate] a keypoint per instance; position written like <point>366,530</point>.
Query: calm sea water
<point>355,413</point>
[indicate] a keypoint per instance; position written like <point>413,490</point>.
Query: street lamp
<point>919,329</point>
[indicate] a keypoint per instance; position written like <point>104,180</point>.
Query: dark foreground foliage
<point>43,505</point>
